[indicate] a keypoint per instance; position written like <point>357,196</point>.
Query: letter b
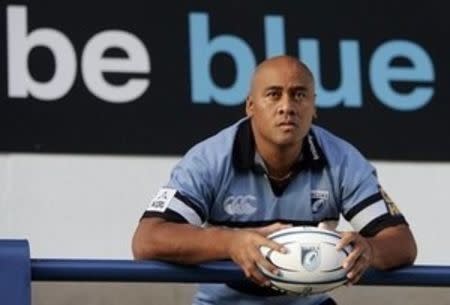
<point>20,82</point>
<point>202,50</point>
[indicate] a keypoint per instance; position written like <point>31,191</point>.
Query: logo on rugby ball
<point>310,257</point>
<point>306,291</point>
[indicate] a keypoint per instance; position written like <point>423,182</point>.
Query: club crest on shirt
<point>390,204</point>
<point>318,199</point>
<point>240,205</point>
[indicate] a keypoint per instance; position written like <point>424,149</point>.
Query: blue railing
<point>215,272</point>
<point>17,271</point>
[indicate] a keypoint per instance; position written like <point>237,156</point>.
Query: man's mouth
<point>287,123</point>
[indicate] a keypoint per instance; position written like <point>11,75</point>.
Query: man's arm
<point>391,247</point>
<point>156,238</point>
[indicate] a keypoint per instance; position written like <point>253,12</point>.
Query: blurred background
<point>99,100</point>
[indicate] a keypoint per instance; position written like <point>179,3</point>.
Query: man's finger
<point>351,259</point>
<point>262,262</point>
<point>347,238</point>
<point>356,272</point>
<point>274,246</point>
<point>257,276</point>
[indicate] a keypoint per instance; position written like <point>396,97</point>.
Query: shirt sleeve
<point>188,194</point>
<point>366,206</point>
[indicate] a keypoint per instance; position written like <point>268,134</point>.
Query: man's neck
<point>278,159</point>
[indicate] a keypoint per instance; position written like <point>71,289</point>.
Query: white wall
<point>88,206</point>
<point>76,206</point>
<point>421,192</point>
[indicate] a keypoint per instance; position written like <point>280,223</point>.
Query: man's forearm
<point>182,243</point>
<point>393,247</point>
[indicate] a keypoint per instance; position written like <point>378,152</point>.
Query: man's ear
<point>249,106</point>
<point>315,116</point>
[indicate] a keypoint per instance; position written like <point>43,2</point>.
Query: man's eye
<point>273,94</point>
<point>300,95</point>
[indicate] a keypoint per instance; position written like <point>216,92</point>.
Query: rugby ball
<point>311,265</point>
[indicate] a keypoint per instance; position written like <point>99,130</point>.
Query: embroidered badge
<point>318,199</point>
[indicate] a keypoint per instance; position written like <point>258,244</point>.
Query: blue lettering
<point>349,93</point>
<point>381,73</point>
<point>203,88</point>
<point>275,42</point>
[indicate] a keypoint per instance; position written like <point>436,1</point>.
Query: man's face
<point>281,103</point>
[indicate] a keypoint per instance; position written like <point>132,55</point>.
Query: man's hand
<point>245,251</point>
<point>360,258</point>
<point>267,230</point>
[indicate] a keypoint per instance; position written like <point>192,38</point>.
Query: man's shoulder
<point>326,137</point>
<point>216,147</point>
<point>334,147</point>
<point>223,138</point>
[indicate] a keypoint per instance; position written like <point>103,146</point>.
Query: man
<point>268,171</point>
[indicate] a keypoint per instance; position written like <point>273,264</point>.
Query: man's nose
<point>286,105</point>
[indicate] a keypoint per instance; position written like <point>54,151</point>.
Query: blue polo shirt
<point>222,181</point>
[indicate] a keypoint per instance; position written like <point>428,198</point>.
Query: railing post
<point>15,272</point>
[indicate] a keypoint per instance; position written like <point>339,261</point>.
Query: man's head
<point>281,101</point>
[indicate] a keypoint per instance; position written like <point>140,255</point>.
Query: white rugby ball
<point>312,264</point>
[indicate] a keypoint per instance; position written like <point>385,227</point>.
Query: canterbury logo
<point>240,205</point>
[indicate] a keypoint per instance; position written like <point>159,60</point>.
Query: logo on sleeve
<point>318,199</point>
<point>392,207</point>
<point>161,200</point>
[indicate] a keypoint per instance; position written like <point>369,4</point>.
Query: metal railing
<point>214,272</point>
<point>17,270</point>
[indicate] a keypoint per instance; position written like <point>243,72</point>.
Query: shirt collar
<point>245,157</point>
